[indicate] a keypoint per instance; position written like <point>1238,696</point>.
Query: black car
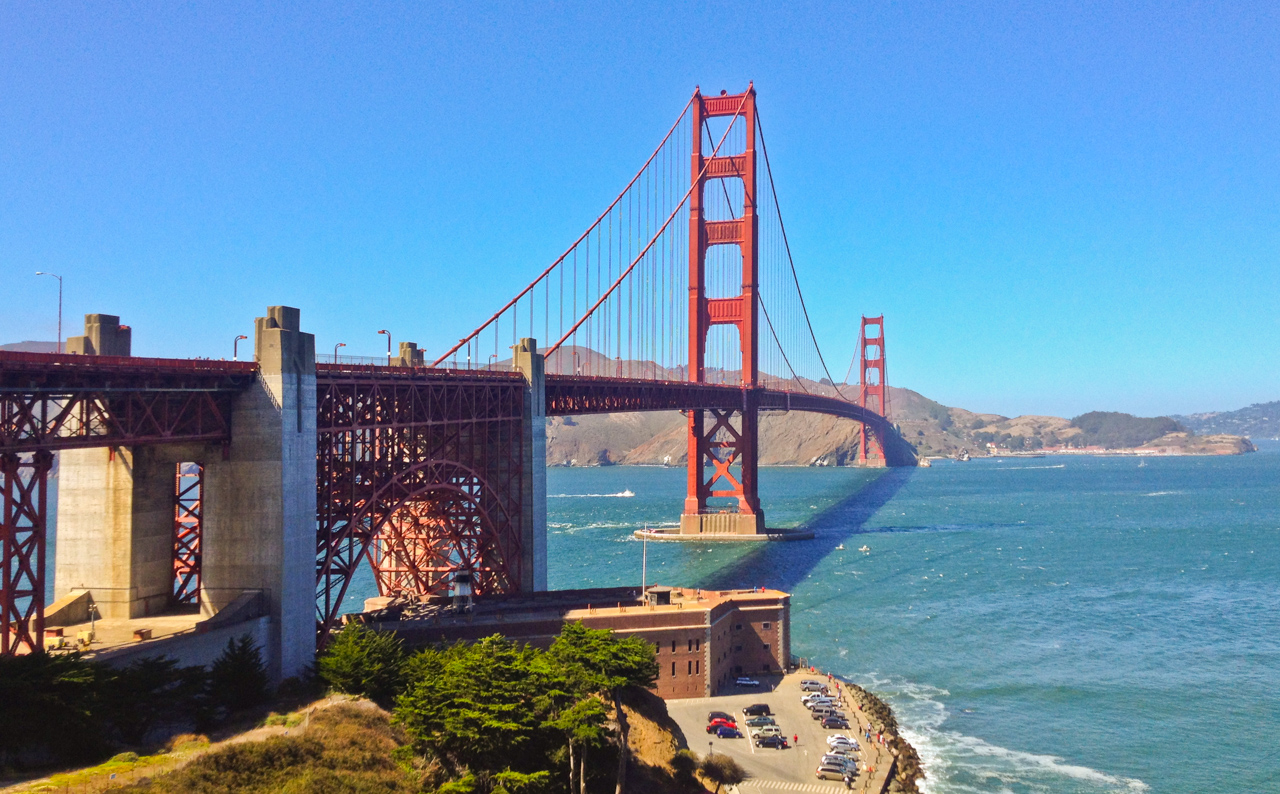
<point>757,710</point>
<point>776,742</point>
<point>720,715</point>
<point>835,722</point>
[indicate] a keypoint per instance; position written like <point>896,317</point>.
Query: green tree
<point>480,707</point>
<point>722,770</point>
<point>583,727</point>
<point>597,660</point>
<point>361,661</point>
<point>50,708</point>
<point>238,679</point>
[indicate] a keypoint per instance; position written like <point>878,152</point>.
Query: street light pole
<point>235,347</point>
<point>388,333</point>
<point>335,351</point>
<point>59,278</point>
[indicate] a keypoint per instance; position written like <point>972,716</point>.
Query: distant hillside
<point>801,439</point>
<point>1261,420</point>
<point>31,347</point>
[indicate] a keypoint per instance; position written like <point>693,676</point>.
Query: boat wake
<point>1011,468</point>
<point>955,763</point>
<point>627,494</point>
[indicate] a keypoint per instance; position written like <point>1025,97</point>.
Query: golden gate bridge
<point>682,295</point>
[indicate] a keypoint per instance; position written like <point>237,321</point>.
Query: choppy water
<point>1061,624</point>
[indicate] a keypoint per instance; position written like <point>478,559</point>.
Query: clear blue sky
<point>1058,210</point>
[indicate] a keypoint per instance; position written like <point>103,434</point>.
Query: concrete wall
<point>196,648</point>
<point>260,503</point>
<point>103,336</point>
<point>115,525</point>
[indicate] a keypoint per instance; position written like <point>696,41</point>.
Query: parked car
<point>714,724</point>
<point>719,715</point>
<point>756,721</point>
<point>834,721</point>
<point>725,732</point>
<point>812,696</point>
<point>840,737</point>
<point>829,772</point>
<point>757,709</point>
<point>766,730</point>
<point>843,751</point>
<point>744,681</point>
<point>776,742</point>
<point>821,701</point>
<point>822,712</point>
<point>810,685</point>
<point>838,760</point>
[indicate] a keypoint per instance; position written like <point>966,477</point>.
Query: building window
<point>690,668</point>
<point>673,669</point>
<point>766,647</point>
<point>766,626</point>
<point>697,645</point>
<point>766,667</point>
<point>737,627</point>
<point>673,646</point>
<point>690,648</point>
<point>737,647</point>
<point>697,667</point>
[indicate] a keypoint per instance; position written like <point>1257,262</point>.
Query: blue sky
<point>1058,209</point>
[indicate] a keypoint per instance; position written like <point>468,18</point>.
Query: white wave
<point>627,494</point>
<point>954,762</point>
<point>1164,493</point>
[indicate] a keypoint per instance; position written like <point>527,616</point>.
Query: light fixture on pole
<point>59,278</point>
<point>235,347</point>
<point>388,333</point>
<point>335,351</point>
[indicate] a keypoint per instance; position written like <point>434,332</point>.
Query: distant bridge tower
<point>874,392</point>
<point>719,440</point>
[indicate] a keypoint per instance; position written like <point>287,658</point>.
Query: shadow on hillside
<point>783,565</point>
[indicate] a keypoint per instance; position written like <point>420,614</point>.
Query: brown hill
<point>802,439</point>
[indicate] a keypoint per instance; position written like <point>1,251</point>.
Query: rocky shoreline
<point>908,771</point>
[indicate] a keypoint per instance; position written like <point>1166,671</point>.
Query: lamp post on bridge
<point>235,347</point>
<point>59,278</point>
<point>388,333</point>
<point>335,351</point>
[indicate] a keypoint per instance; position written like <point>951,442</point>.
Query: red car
<point>720,723</point>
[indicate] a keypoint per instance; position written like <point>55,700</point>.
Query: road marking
<point>787,786</point>
<point>747,733</point>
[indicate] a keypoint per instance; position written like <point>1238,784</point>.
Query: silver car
<point>831,772</point>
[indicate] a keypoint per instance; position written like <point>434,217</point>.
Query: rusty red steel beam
<point>51,402</point>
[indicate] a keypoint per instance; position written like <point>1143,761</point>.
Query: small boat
<point>1141,464</point>
<point>627,493</point>
<point>964,456</point>
<point>840,547</point>
<point>865,549</point>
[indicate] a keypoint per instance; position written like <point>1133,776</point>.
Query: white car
<point>840,737</point>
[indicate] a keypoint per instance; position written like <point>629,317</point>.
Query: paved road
<point>770,770</point>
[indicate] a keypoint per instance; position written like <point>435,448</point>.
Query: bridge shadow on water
<point>783,565</point>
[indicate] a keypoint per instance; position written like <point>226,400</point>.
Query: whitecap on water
<point>955,762</point>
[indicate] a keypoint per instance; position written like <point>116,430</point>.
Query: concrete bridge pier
<point>528,361</point>
<point>116,516</point>
<point>259,529</point>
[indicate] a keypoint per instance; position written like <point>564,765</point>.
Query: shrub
<point>238,678</point>
<point>361,661</point>
<point>722,770</point>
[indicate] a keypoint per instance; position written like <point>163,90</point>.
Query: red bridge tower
<point>720,440</point>
<point>874,394</point>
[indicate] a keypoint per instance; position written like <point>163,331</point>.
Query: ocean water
<point>1058,624</point>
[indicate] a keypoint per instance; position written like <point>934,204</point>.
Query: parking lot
<point>791,769</point>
